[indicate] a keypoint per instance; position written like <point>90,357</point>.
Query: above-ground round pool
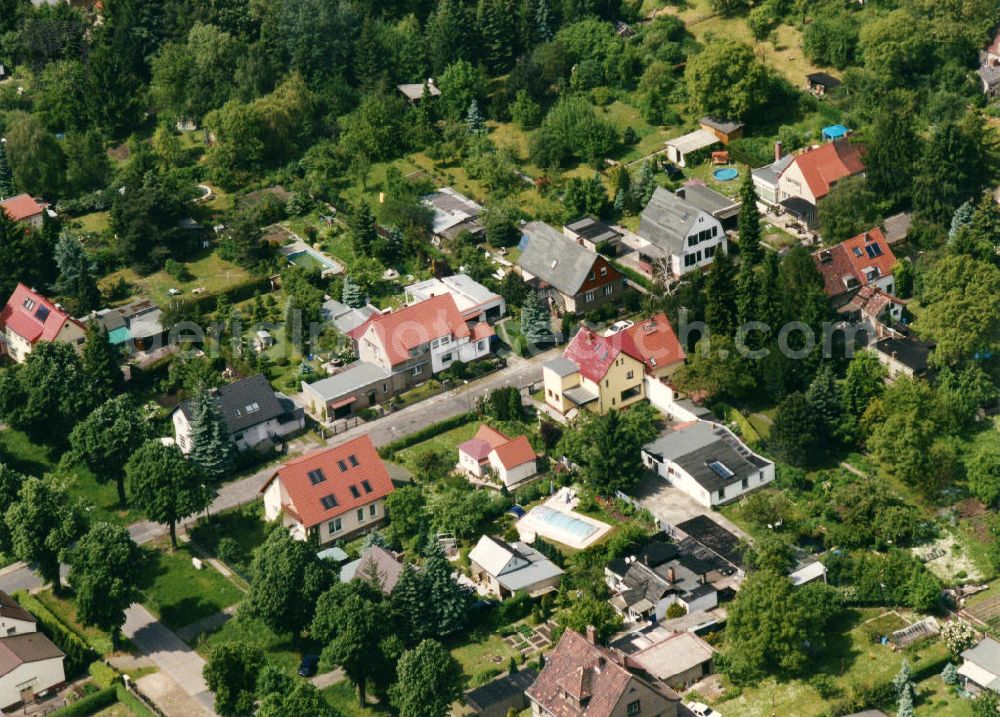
<point>725,174</point>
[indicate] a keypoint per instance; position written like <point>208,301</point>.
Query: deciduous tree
<point>430,680</point>
<point>107,438</point>
<point>231,672</point>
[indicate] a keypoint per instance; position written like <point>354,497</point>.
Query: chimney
<point>671,576</point>
<point>591,634</point>
<point>777,150</point>
<point>868,237</point>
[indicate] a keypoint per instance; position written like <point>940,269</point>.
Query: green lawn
<point>245,525</point>
<point>99,500</point>
<point>344,697</point>
<point>447,442</point>
<point>277,648</point>
<point>479,652</point>
<point>179,594</point>
<point>64,609</point>
<point>93,222</point>
<point>210,271</point>
<point>420,393</point>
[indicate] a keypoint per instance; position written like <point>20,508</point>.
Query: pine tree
<point>351,294</point>
<point>901,682</point>
<point>474,123</point>
<point>769,302</point>
<point>496,20</point>
<point>100,364</point>
<point>824,397</point>
<point>543,21</point>
<point>411,606</point>
<point>720,309</point>
<point>962,217</point>
<point>949,675</point>
<point>448,601</point>
<point>749,221</point>
<point>7,187</point>
<point>361,224</point>
<point>645,185</point>
<point>535,322</point>
<point>448,34</point>
<point>76,275</point>
<point>905,706</point>
<point>746,293</point>
<point>211,448</point>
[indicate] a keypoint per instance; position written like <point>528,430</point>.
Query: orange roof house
<point>28,318</point>
<point>860,261</point>
<point>654,343</point>
<point>23,208</point>
<point>334,493</point>
<point>513,461</point>
<point>813,173</point>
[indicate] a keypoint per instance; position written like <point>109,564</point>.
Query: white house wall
<point>39,676</point>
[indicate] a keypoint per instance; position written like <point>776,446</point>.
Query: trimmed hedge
<point>89,705</point>
<point>633,275</point>
<point>132,702</point>
<point>389,450</point>
<point>79,654</point>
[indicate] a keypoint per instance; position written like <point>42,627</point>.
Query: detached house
<point>30,663</point>
<point>862,261</point>
<point>678,233</point>
<point>512,461</point>
<point>474,301</point>
<point>565,274</point>
<point>29,318</point>
<point>596,373</point>
<point>256,415</point>
<point>980,669</point>
<point>422,339</point>
<point>332,494</point>
<point>583,679</point>
<point>502,569</point>
<point>811,175</point>
<point>708,462</point>
<point>24,209</point>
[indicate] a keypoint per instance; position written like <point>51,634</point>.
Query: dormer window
<point>29,304</point>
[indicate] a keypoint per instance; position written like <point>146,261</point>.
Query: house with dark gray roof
<point>256,415</point>
<point>903,355</point>
<point>708,462</point>
<point>504,693</point>
<point>678,232</point>
<point>565,274</point>
<point>980,669</point>
<point>594,235</point>
<point>717,204</point>
<point>454,213</point>
<point>31,665</point>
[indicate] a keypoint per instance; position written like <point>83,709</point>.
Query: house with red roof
<point>490,452</point>
<point>654,342</point>
<point>332,494</point>
<point>862,261</point>
<point>584,679</point>
<point>422,339</point>
<point>24,209</point>
<point>596,373</point>
<point>28,317</point>
<point>810,176</point>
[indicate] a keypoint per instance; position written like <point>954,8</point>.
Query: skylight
<point>29,304</point>
<point>353,459</point>
<point>42,314</point>
<point>316,476</point>
<point>873,250</point>
<point>342,465</point>
<point>720,469</point>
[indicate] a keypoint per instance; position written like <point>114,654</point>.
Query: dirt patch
<point>277,234</point>
<point>119,153</point>
<point>943,559</point>
<point>969,508</point>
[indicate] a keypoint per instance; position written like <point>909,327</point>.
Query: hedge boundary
<point>91,704</point>
<point>79,654</point>
<point>389,450</point>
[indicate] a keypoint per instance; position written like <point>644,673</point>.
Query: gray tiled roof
<point>770,173</point>
<point>554,258</point>
<point>667,220</point>
<point>707,199</point>
<point>244,403</point>
<point>358,375</point>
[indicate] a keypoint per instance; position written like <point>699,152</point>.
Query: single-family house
<point>875,310</point>
<point>134,327</point>
<point>595,373</point>
<point>653,342</point>
<point>422,339</point>
<point>490,453</point>
<point>583,679</point>
<point>566,275</point>
<point>903,355</point>
<point>725,130</point>
<point>708,462</point>
<point>594,235</point>
<point>502,694</point>
<point>980,668</point>
<point>23,208</point>
<point>332,494</point>
<point>989,67</point>
<point>677,659</point>
<point>700,195</point>
<point>14,619</point>
<point>502,569</point>
<point>819,83</point>
<point>813,173</point>
<point>345,318</point>
<point>414,91</point>
<point>691,147</point>
<point>678,232</point>
<point>351,389</point>
<point>864,260</point>
<point>454,213</point>
<point>474,301</point>
<point>30,663</point>
<point>647,581</point>
<point>377,566</point>
<point>765,179</point>
<point>28,318</point>
<point>256,415</point>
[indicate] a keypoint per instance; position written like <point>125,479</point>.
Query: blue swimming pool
<point>563,522</point>
<point>725,174</point>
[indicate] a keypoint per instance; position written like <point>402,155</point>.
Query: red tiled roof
<point>515,453</point>
<point>21,315</point>
<point>655,343</point>
<point>491,435</point>
<point>21,207</point>
<point>827,164</point>
<point>412,326</point>
<point>871,300</point>
<point>339,475</point>
<point>482,330</point>
<point>483,442</point>
<point>583,670</point>
<point>854,258</point>
<point>593,354</point>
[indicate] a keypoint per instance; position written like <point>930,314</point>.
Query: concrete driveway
<point>672,506</point>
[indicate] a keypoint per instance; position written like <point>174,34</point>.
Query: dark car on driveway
<point>309,665</point>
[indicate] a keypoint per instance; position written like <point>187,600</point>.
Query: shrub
<point>79,654</point>
<point>675,609</point>
<point>103,675</point>
<point>89,705</point>
<point>229,551</point>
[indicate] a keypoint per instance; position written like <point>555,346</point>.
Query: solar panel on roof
<point>43,313</point>
<point>873,250</point>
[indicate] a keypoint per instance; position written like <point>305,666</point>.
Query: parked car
<point>309,665</point>
<point>701,710</point>
<point>618,327</point>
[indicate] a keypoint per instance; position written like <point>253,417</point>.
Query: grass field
<point>245,525</point>
<point>343,696</point>
<point>447,442</point>
<point>210,271</point>
<point>478,652</point>
<point>179,594</point>
<point>277,648</point>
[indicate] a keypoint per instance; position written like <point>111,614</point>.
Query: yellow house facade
<point>593,374</point>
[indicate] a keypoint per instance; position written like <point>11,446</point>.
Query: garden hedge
<point>89,705</point>
<point>389,450</point>
<point>79,654</point>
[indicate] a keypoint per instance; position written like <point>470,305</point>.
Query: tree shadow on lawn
<point>841,651</point>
